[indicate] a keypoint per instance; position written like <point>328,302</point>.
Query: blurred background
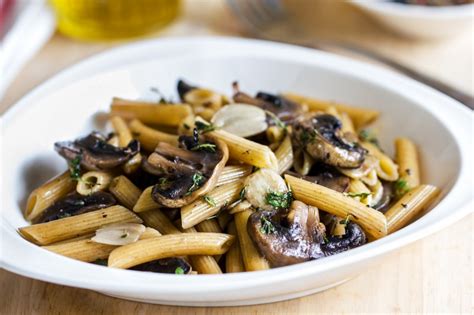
<point>39,38</point>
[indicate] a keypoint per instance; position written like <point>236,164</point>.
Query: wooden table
<point>433,275</point>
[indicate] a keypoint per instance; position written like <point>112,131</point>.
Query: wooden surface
<point>433,275</point>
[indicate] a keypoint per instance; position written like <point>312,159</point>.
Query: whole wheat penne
<point>169,246</point>
<point>386,169</point>
<point>45,195</point>
<point>92,182</point>
<point>125,136</point>
<point>160,114</point>
<point>284,155</point>
<point>125,191</point>
<point>203,264</point>
<point>409,206</point>
<point>89,251</point>
<point>407,159</point>
<point>360,192</point>
<point>372,221</point>
<point>62,229</point>
<point>158,220</point>
<point>246,151</point>
<point>201,209</point>
<point>233,173</point>
<point>210,226</point>
<point>251,257</point>
<point>149,137</point>
<point>360,116</point>
<point>145,202</point>
<point>233,258</point>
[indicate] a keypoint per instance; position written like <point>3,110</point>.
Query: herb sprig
<point>400,188</point>
<point>267,226</point>
<point>204,128</point>
<point>179,271</point>
<point>210,201</point>
<point>197,179</point>
<point>209,147</point>
<point>279,200</point>
<point>361,195</point>
<point>75,168</point>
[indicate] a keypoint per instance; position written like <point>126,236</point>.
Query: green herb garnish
<point>75,168</point>
<point>279,200</point>
<point>369,136</point>
<point>209,200</point>
<point>203,127</point>
<point>209,147</point>
<point>197,178</point>
<point>361,195</point>
<point>179,271</point>
<point>266,226</point>
<point>401,187</point>
<point>346,220</point>
<point>164,183</point>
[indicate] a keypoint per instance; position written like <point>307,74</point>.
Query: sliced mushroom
<point>353,237</point>
<point>384,202</point>
<point>287,240</point>
<point>94,153</point>
<point>320,135</point>
<point>119,234</point>
<point>187,172</point>
<point>260,184</point>
<point>165,265</point>
<point>327,177</point>
<point>199,98</point>
<point>75,204</point>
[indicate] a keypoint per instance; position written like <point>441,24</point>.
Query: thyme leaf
<point>209,200</point>
<point>267,226</point>
<point>279,200</point>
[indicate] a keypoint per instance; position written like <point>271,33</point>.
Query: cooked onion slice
<point>119,234</point>
<point>241,119</point>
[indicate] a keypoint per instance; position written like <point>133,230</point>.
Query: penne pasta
<point>169,246</point>
<point>386,169</point>
<point>407,159</point>
<point>92,182</point>
<point>377,193</point>
<point>62,229</point>
<point>409,206</point>
<point>275,134</point>
<point>125,191</point>
<point>145,202</point>
<point>360,116</point>
<point>121,130</point>
<point>152,113</point>
<point>48,193</point>
<point>233,258</point>
<point>203,264</point>
<point>201,209</point>
<point>223,219</point>
<point>149,137</point>
<point>360,192</point>
<point>159,221</point>
<point>303,162</point>
<point>210,226</point>
<point>372,221</point>
<point>233,173</point>
<point>371,178</point>
<point>251,258</point>
<point>284,155</point>
<point>347,124</point>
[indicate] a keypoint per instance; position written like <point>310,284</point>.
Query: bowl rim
<point>417,11</point>
<point>107,279</point>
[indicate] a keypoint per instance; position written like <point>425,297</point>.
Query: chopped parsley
<point>75,168</point>
<point>209,200</point>
<point>179,271</point>
<point>266,226</point>
<point>164,183</point>
<point>369,136</point>
<point>400,187</point>
<point>279,200</point>
<point>198,179</point>
<point>361,195</point>
<point>203,127</point>
<point>346,220</point>
<point>209,147</point>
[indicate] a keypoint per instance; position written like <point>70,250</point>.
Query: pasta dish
<point>214,184</point>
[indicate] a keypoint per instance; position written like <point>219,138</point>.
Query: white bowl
<point>421,21</point>
<point>66,107</point>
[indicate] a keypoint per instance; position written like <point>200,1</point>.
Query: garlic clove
<point>260,183</point>
<point>241,119</point>
<point>119,234</point>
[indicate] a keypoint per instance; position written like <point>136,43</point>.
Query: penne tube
<point>284,155</point>
<point>62,229</point>
<point>371,178</point>
<point>121,129</point>
<point>360,116</point>
<point>210,226</point>
<point>360,192</point>
<point>386,169</point>
<point>347,124</point>
<point>409,206</point>
<point>233,258</point>
<point>152,113</point>
<point>233,173</point>
<point>251,257</point>
<point>158,220</point>
<point>275,134</point>
<point>201,209</point>
<point>169,246</point>
<point>407,158</point>
<point>204,264</point>
<point>246,151</point>
<point>223,219</point>
<point>149,137</point>
<point>145,202</point>
<point>48,193</point>
<point>303,162</point>
<point>92,182</point>
<point>89,251</point>
<point>377,193</point>
<point>372,221</point>
<point>125,191</point>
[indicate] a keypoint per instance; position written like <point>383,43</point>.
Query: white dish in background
<point>421,21</point>
<point>63,108</point>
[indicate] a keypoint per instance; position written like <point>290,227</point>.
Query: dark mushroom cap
<point>384,203</point>
<point>74,204</point>
<point>354,237</point>
<point>95,153</point>
<point>287,240</point>
<point>320,135</point>
<point>184,88</point>
<point>165,265</point>
<point>184,174</point>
